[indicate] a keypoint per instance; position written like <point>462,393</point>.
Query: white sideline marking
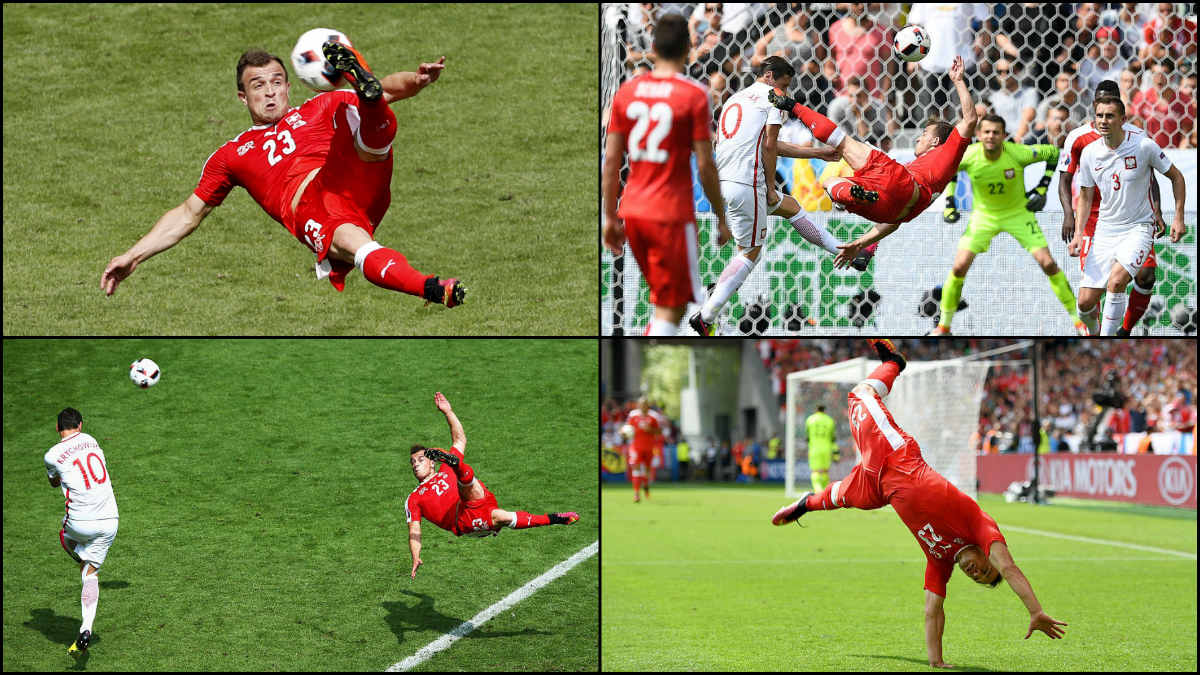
<point>1102,542</point>
<point>486,615</point>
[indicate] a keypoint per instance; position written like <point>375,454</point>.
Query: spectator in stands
<point>1053,129</point>
<point>1104,60</point>
<point>1030,33</point>
<point>862,116</point>
<point>1168,35</point>
<point>952,27</point>
<point>1009,99</point>
<point>1160,107</point>
<point>1066,93</point>
<point>1187,98</point>
<point>639,33</point>
<point>709,59</point>
<point>857,42</point>
<point>794,40</point>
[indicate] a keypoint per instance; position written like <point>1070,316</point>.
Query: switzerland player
<point>77,465</point>
<point>323,170</point>
<point>949,526</point>
<point>661,117</point>
<point>882,189</point>
<point>1068,163</point>
<point>468,509</point>
<point>1119,165</point>
<point>647,437</point>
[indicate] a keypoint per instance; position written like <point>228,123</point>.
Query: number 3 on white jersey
<point>660,114</point>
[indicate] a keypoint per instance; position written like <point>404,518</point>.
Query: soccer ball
<point>144,373</point>
<point>627,431</point>
<point>912,43</point>
<point>309,61</point>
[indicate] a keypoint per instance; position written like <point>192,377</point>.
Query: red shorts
<point>475,517</point>
<point>891,180</point>
<point>666,254</point>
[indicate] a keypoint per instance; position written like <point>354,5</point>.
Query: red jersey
<point>660,117</point>
<point>934,170</point>
<point>436,498</point>
<point>270,162</point>
<point>646,431</point>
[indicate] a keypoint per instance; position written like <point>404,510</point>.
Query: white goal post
<point>936,402</point>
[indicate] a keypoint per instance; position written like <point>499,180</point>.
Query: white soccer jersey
<point>79,462</point>
<point>741,135</point>
<point>1122,178</point>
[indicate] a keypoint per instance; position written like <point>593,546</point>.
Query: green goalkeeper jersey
<point>998,185</point>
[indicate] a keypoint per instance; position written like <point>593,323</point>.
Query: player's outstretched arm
<point>1038,619</point>
<point>403,85</point>
<point>457,436</point>
<point>851,250</point>
<point>414,545</point>
<point>935,624</point>
<point>965,126</point>
<point>826,153</point>
<point>170,229</point>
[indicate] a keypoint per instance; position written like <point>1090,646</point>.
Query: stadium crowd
<point>1034,64</point>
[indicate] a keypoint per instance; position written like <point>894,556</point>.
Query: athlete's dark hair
<point>943,129</point>
<point>994,119</point>
<point>417,448</point>
<point>778,66</point>
<point>671,37</point>
<point>821,408</point>
<point>69,418</point>
<point>255,58</point>
<point>1110,100</point>
<point>1108,87</point>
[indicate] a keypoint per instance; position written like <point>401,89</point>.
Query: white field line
<point>486,615</point>
<point>1102,542</point>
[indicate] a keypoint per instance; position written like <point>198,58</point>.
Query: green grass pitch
<point>261,487</point>
<point>110,112</point>
<point>697,579</point>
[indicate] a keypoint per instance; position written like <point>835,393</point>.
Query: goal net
<point>936,402</point>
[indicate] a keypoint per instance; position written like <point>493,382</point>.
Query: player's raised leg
<point>522,520</point>
<point>388,268</point>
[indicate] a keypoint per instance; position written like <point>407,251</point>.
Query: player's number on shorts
<point>660,115</point>
<point>96,478</point>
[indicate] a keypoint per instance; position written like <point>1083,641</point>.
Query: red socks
<point>389,269</point>
<point>820,126</point>
<point>527,520</point>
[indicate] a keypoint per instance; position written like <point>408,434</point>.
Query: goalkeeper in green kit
<point>822,447</point>
<point>997,171</point>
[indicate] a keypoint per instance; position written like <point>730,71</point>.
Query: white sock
<point>1089,319</point>
<point>731,279</point>
<point>88,599</point>
<point>814,233</point>
<point>660,328</point>
<point>1114,312</point>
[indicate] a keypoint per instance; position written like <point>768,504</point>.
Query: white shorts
<point>1130,247</point>
<point>92,538</point>
<point>746,212</point>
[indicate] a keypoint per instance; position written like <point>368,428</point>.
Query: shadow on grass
<point>422,617</point>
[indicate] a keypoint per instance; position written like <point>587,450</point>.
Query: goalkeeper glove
<point>1037,196</point>
<point>950,215</point>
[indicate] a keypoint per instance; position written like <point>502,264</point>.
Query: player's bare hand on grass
<point>441,402</point>
<point>1043,622</point>
<point>416,564</point>
<point>428,73</point>
<point>847,255</point>
<point>118,268</point>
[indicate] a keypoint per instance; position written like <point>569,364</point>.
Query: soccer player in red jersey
<point>454,499</point>
<point>949,526</point>
<point>323,170</point>
<point>661,118</point>
<point>883,190</point>
<point>647,436</point>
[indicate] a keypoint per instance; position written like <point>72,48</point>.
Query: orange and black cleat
<point>563,518</point>
<point>888,352</point>
<point>346,59</point>
<point>450,292</point>
<point>792,512</point>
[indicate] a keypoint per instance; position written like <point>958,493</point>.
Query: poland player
<point>1118,166</point>
<point>454,499</point>
<point>949,526</point>
<point>747,147</point>
<point>77,465</point>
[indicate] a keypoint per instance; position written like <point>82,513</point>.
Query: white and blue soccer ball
<point>144,373</point>
<point>912,43</point>
<point>308,60</point>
